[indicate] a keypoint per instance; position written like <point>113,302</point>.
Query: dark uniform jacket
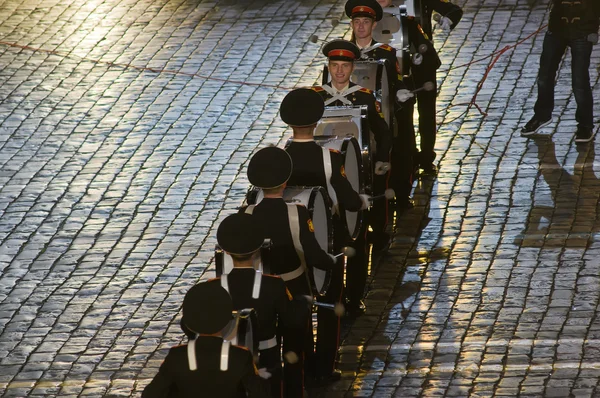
<point>274,302</point>
<point>377,123</point>
<point>442,7</point>
<point>272,213</point>
<point>175,379</point>
<point>574,19</point>
<point>309,170</point>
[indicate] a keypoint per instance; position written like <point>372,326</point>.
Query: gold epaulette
<point>386,47</point>
<point>334,150</point>
<point>317,88</point>
<point>366,90</point>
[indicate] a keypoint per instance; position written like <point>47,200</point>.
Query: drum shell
<point>349,148</point>
<point>357,116</point>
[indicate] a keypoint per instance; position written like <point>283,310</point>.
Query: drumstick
<point>346,251</point>
<point>338,308</point>
<point>427,86</point>
<point>314,39</point>
<point>389,194</point>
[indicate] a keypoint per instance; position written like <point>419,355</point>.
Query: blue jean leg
<point>552,52</point>
<point>581,50</point>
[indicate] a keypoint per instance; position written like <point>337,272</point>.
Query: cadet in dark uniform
<point>302,109</point>
<point>240,236</point>
<point>364,15</point>
<point>269,169</point>
<point>207,366</point>
<point>426,100</point>
<point>342,92</point>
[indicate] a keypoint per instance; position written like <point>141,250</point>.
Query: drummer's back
<point>208,380</point>
<point>272,213</point>
<point>308,169</point>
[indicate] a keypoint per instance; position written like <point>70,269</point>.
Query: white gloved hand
<point>444,24</point>
<point>332,257</point>
<point>381,168</point>
<point>366,202</point>
<point>262,372</point>
<point>417,59</point>
<point>404,95</point>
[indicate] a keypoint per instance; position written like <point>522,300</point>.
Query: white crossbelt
<point>328,173</point>
<point>335,96</point>
<point>225,355</point>
<point>266,344</point>
<point>191,351</point>
<point>365,50</point>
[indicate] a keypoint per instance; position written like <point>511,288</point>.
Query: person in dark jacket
<point>572,24</point>
<point>207,366</point>
<point>240,236</point>
<point>292,255</point>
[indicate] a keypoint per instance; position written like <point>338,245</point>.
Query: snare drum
<point>315,200</point>
<point>224,263</point>
<point>242,330</point>
<point>351,154</point>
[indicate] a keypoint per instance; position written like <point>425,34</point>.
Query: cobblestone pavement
<point>114,177</point>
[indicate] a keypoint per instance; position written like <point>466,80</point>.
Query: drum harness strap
<point>335,96</point>
<point>263,344</point>
<point>365,50</point>
<point>191,351</point>
<point>328,174</point>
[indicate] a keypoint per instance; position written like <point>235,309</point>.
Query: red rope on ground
<point>142,68</point>
<point>497,55</point>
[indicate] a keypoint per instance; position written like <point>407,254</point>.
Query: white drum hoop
<point>316,201</point>
<point>352,158</point>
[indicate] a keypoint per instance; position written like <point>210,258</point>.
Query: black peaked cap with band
<point>341,50</point>
<point>364,8</point>
<point>207,308</point>
<point>240,234</point>
<point>270,167</point>
<point>302,107</point>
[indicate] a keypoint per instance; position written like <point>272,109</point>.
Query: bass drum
<point>224,263</point>
<point>392,30</point>
<point>242,330</point>
<point>342,121</point>
<point>351,154</point>
<point>372,74</point>
<point>316,201</point>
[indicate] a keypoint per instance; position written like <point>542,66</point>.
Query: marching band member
<point>291,253</point>
<point>364,15</point>
<point>302,109</point>
<point>240,236</point>
<point>207,366</point>
<point>341,91</point>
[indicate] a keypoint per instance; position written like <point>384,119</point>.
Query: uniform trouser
<point>404,153</point>
<point>357,268</point>
<point>426,104</point>
<point>271,360</point>
<point>299,341</point>
<point>328,323</point>
<point>378,215</point>
<point>552,52</point>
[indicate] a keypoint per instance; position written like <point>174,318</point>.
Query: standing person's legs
<point>552,52</point>
<point>426,104</point>
<point>581,50</point>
